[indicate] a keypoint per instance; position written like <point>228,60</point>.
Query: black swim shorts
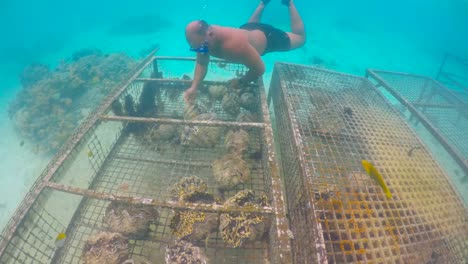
<point>277,40</point>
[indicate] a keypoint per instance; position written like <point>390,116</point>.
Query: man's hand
<point>190,94</point>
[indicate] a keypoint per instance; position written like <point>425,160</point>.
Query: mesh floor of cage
<point>143,169</point>
<point>151,249</point>
<point>336,121</point>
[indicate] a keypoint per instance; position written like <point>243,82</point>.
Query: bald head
<point>195,32</point>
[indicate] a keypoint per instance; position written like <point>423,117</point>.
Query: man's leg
<point>297,34</point>
<point>257,15</point>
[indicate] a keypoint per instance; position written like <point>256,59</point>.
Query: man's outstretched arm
<point>201,68</point>
<point>252,60</point>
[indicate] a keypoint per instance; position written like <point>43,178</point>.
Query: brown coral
<point>130,220</point>
<point>247,101</point>
<point>217,91</point>
<point>105,248</point>
<point>188,186</point>
<point>184,252</point>
<point>237,142</point>
<point>230,170</point>
<point>201,136</point>
<point>191,225</point>
<point>238,228</point>
<point>231,103</point>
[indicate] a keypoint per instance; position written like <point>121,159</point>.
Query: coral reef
<point>230,170</point>
<point>191,225</point>
<point>236,141</point>
<point>239,228</point>
<point>130,220</point>
<point>52,103</point>
<point>105,248</point>
<point>184,252</point>
<point>33,73</point>
<point>201,136</point>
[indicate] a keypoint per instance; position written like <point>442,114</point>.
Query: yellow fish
<point>60,240</point>
<point>90,154</point>
<point>372,171</point>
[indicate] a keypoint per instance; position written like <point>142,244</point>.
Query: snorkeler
<point>244,45</point>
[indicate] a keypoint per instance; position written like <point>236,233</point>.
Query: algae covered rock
<point>230,171</point>
<point>184,252</point>
<point>236,141</point>
<point>130,220</point>
<point>201,136</point>
<point>105,248</point>
<point>239,228</point>
<point>231,103</point>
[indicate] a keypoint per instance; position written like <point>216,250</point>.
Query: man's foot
<point>286,2</point>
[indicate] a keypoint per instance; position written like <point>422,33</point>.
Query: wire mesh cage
<point>442,111</point>
<point>144,180</point>
<point>327,123</point>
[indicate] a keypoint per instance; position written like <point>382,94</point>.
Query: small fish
<point>90,154</point>
<point>372,171</point>
<point>21,143</point>
<point>60,240</point>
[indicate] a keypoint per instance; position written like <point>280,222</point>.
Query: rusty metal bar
<point>434,105</point>
<point>163,81</point>
<point>434,131</point>
<point>65,151</point>
<point>179,121</point>
<point>212,208</point>
<point>282,223</point>
<point>171,162</point>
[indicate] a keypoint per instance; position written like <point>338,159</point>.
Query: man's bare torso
<point>230,43</point>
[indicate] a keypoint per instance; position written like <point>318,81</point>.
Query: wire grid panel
<point>327,123</point>
<point>151,249</point>
<point>35,235</point>
<point>149,169</point>
<point>446,112</point>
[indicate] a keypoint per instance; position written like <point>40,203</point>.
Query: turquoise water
<point>348,36</point>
